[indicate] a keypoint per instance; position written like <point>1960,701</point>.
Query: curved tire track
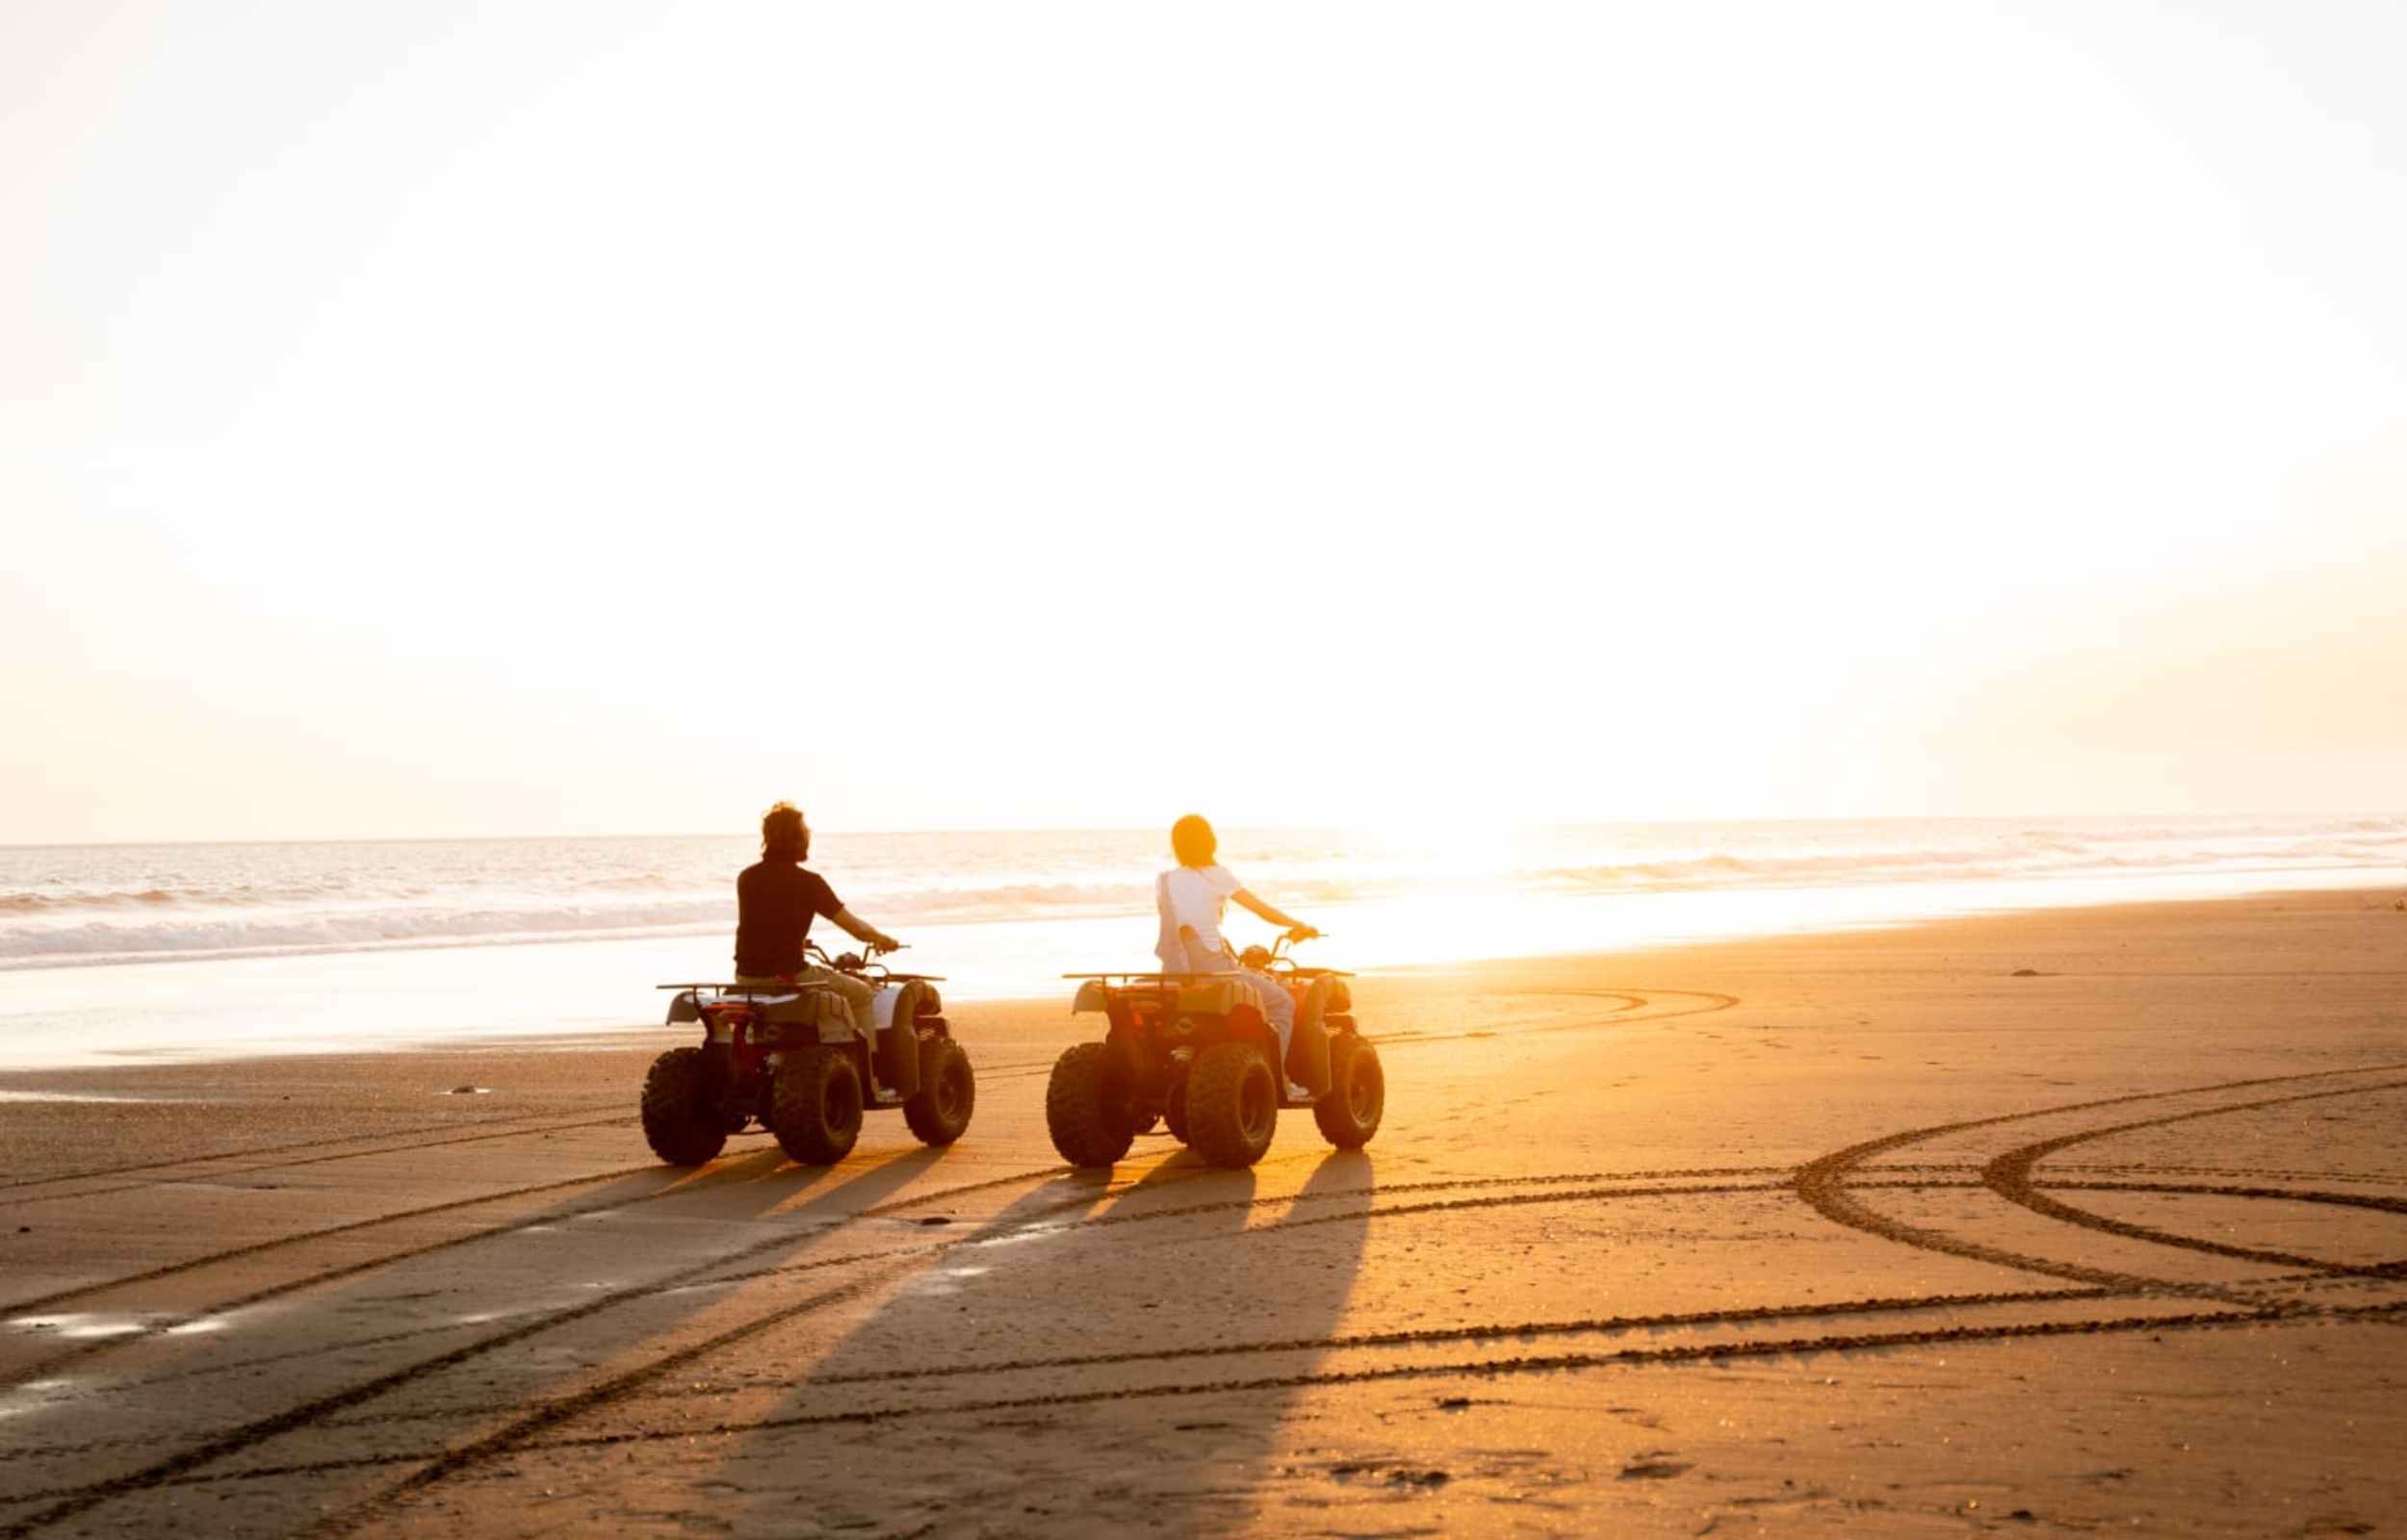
<point>1828,1184</point>
<point>2010,1176</point>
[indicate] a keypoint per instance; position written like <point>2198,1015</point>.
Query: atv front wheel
<point>1087,1106</point>
<point>1350,1110</point>
<point>938,1111</point>
<point>1232,1105</point>
<point>815,1108</point>
<point>682,1120</point>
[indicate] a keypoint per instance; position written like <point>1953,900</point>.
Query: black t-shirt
<point>775,902</point>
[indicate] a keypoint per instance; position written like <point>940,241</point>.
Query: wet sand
<point>2069,1223</point>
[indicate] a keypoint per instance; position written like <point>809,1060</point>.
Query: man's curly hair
<point>784,836</point>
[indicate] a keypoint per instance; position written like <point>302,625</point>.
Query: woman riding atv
<point>1191,898</point>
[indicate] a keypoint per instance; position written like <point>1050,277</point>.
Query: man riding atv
<point>796,1044</point>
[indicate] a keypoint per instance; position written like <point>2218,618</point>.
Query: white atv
<point>789,1059</point>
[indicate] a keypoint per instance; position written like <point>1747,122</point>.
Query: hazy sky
<point>478,419</point>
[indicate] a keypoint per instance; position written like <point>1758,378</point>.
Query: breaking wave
<point>64,906</point>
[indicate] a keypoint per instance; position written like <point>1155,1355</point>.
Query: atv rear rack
<point>1206,977</point>
<point>782,987</point>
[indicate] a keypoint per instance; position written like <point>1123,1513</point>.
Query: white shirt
<point>1195,897</point>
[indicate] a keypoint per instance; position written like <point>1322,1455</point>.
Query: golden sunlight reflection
<point>1442,929</point>
<point>85,1326</point>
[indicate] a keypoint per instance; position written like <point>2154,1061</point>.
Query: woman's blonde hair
<point>1191,841</point>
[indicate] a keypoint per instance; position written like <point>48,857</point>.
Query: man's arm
<point>861,930</point>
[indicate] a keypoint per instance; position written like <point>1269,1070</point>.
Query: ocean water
<point>141,951</point>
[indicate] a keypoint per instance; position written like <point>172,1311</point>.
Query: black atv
<point>1194,1051</point>
<point>789,1059</point>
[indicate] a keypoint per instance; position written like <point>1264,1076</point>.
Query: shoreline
<point>526,992</point>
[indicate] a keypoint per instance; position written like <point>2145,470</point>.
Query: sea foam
<point>62,906</point>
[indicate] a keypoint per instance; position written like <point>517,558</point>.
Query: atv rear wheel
<point>1232,1104</point>
<point>1350,1110</point>
<point>682,1120</point>
<point>1087,1105</point>
<point>938,1111</point>
<point>814,1107</point>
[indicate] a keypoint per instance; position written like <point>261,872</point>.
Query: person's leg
<point>1278,1008</point>
<point>859,995</point>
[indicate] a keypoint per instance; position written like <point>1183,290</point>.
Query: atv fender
<point>897,1060</point>
<point>1308,1048</point>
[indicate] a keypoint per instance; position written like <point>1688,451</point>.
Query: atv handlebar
<point>1274,958</point>
<point>858,965</point>
<point>1271,959</point>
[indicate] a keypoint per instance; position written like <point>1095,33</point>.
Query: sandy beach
<point>2065,1222</point>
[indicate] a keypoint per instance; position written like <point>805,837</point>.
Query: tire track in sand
<point>1829,1180</point>
<point>1829,1184</point>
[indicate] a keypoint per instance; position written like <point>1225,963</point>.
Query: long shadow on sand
<point>384,1359</point>
<point>1118,1356</point>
